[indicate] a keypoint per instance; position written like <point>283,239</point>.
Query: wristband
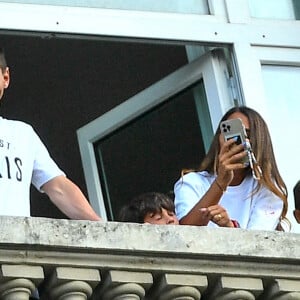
<point>235,224</point>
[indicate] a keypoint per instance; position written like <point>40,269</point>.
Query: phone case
<point>234,129</point>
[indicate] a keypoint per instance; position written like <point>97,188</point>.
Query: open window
<point>143,144</point>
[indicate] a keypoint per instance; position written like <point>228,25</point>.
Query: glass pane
<point>297,9</point>
<point>270,9</point>
<point>149,154</point>
<point>176,6</point>
<point>283,102</point>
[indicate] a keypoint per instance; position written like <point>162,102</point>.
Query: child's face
<point>162,218</point>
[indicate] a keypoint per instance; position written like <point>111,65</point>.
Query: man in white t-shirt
<point>24,160</point>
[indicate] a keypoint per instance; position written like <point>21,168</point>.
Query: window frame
<point>208,67</point>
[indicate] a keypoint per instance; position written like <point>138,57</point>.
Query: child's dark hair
<point>3,64</point>
<point>141,205</point>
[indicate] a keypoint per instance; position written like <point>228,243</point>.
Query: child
<point>151,208</point>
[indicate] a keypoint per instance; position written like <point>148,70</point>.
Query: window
<point>279,9</point>
<point>143,144</point>
<point>284,109</point>
<point>279,74</point>
<point>177,6</point>
<point>148,154</point>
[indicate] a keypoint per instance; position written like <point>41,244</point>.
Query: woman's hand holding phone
<point>231,158</point>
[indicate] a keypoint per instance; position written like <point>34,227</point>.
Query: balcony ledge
<point>53,247</point>
<point>114,236</point>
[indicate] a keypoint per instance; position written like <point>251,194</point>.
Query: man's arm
<point>69,199</point>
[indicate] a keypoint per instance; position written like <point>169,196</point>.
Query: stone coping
<point>114,236</point>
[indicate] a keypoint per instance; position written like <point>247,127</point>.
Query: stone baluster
<point>236,288</point>
<point>288,296</point>
<point>283,289</point>
<point>18,282</point>
<point>180,286</point>
<point>16,289</point>
<point>67,283</point>
<point>127,285</point>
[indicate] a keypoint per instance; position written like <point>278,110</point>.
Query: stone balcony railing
<point>77,260</point>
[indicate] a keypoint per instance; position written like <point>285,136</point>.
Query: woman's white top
<point>253,210</point>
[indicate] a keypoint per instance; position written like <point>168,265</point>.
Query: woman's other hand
<point>216,214</point>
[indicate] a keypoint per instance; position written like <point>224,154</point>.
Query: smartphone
<point>234,129</point>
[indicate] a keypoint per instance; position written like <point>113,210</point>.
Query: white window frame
<point>229,23</point>
<point>208,67</point>
<point>277,57</point>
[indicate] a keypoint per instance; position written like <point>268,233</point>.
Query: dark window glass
<point>296,4</point>
<point>149,153</point>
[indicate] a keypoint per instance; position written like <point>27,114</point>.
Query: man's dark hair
<point>297,195</point>
<point>141,205</point>
<point>3,64</point>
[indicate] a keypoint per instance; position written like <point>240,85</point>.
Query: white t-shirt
<point>23,160</point>
<point>260,210</point>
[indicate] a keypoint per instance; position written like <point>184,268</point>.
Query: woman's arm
<point>185,191</point>
<point>197,217</point>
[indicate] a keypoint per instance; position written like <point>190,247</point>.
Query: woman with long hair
<point>224,191</point>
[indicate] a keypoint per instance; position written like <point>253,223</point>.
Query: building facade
<point>125,94</point>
